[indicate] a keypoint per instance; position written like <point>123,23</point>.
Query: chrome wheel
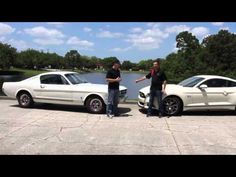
<point>25,99</point>
<point>96,105</point>
<point>172,105</point>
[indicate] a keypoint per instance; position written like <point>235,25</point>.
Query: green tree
<point>145,64</point>
<point>107,62</point>
<point>173,67</point>
<point>7,56</point>
<point>54,60</point>
<point>96,62</point>
<point>30,59</point>
<point>220,53</point>
<point>186,41</point>
<point>189,47</point>
<point>72,59</point>
<point>127,65</point>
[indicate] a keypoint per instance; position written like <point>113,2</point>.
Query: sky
<point>132,41</point>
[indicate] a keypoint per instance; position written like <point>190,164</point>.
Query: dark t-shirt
<point>113,74</point>
<point>158,77</point>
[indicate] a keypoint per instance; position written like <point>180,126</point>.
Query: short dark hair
<point>116,62</point>
<point>157,60</point>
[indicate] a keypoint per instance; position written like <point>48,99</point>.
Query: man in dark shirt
<point>113,78</point>
<point>157,88</point>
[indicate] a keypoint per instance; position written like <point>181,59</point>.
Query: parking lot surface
<point>61,129</point>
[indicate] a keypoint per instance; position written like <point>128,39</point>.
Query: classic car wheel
<point>95,105</point>
<point>25,100</point>
<point>172,105</point>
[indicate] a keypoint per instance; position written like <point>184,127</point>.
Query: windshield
<point>191,82</point>
<point>74,78</point>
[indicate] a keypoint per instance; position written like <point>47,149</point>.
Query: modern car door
<point>195,97</point>
<point>54,88</point>
<point>217,92</point>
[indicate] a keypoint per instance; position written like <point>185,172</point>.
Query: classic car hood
<point>169,87</point>
<point>95,87</point>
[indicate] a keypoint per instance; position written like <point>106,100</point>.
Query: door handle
<point>42,86</point>
<point>225,93</point>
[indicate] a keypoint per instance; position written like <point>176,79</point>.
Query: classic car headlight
<point>142,95</point>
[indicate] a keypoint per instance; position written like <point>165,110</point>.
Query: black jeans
<point>113,99</point>
<point>158,94</point>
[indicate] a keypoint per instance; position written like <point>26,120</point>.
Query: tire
<point>95,105</point>
<point>172,106</point>
<point>25,100</point>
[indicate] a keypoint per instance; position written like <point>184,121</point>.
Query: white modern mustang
<point>60,88</point>
<point>202,92</point>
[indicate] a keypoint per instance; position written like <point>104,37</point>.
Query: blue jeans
<point>113,99</point>
<point>158,94</point>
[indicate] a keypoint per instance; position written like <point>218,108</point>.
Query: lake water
<point>128,80</point>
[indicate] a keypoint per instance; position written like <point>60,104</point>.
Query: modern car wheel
<point>172,106</point>
<point>25,100</point>
<point>95,105</point>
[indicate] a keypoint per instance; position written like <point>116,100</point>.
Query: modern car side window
<point>216,83</point>
<point>231,84</point>
<point>52,79</point>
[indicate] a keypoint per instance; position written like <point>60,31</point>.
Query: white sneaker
<point>110,116</point>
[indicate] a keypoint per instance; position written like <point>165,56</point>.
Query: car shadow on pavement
<point>197,113</point>
<point>209,113</point>
<point>124,112</point>
<point>71,108</point>
<point>57,107</point>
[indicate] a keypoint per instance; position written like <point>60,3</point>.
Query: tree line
<point>34,59</point>
<point>215,54</point>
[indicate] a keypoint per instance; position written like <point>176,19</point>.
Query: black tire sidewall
<point>178,112</point>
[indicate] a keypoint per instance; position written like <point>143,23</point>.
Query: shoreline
<point>32,72</point>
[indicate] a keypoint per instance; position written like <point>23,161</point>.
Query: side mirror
<point>203,86</point>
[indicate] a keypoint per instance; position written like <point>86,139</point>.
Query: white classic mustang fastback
<point>61,87</point>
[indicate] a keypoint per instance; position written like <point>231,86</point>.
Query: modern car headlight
<point>142,95</point>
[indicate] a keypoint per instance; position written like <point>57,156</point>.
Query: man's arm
<point>148,76</point>
<point>164,85</point>
<point>140,79</point>
<point>118,79</point>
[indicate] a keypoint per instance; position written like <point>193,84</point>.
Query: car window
<point>65,82</point>
<point>231,84</point>
<point>75,78</point>
<point>53,79</point>
<point>191,82</point>
<point>216,83</point>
